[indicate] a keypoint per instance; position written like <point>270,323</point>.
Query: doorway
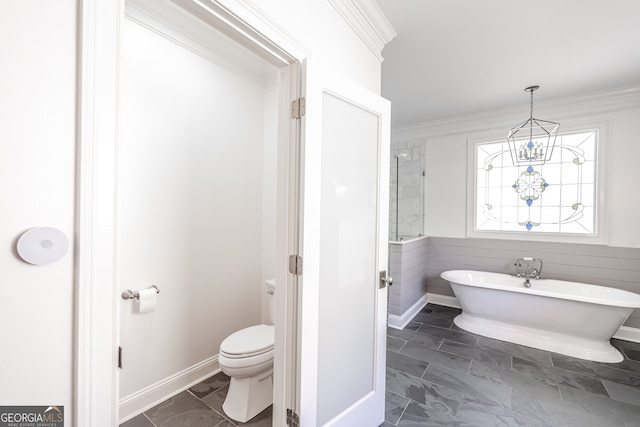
<point>99,289</point>
<point>196,198</point>
<point>166,180</point>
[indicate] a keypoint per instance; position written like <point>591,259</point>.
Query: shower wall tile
<point>406,189</point>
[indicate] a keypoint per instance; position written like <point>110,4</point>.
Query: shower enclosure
<point>407,187</point>
<point>408,247</point>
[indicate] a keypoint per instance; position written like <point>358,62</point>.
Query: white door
<point>345,223</point>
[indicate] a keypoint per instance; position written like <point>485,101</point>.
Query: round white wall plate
<point>42,245</point>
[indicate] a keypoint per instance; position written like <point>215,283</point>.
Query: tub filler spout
<point>529,269</point>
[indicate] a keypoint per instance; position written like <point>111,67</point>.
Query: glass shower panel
<point>407,186</point>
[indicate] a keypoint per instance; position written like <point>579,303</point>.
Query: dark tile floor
<point>200,406</point>
<point>440,375</point>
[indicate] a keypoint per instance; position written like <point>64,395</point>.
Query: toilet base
<point>248,396</point>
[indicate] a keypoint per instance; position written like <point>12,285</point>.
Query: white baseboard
<point>444,300</point>
<point>628,334</point>
<point>399,322</point>
<point>138,402</point>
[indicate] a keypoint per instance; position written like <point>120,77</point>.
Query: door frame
<point>97,299</point>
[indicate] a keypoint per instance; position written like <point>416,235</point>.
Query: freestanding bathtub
<point>569,318</point>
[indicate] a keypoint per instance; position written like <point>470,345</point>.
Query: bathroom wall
<point>195,205</point>
<point>614,264</point>
<point>37,188</point>
<point>38,152</point>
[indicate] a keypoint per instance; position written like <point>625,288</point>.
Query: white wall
<point>447,143</point>
<point>37,185</point>
<point>330,40</point>
<point>37,170</point>
<point>191,198</point>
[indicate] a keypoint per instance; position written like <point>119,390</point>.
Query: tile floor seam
<point>403,411</point>
<point>604,384</point>
<point>214,409</point>
<point>561,398</point>
<point>147,417</point>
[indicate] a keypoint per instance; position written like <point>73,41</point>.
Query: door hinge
<point>293,420</point>
<point>297,108</point>
<point>119,357</point>
<point>295,265</point>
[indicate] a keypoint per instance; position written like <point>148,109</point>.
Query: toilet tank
<point>270,301</point>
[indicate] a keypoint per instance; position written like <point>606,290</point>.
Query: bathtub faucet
<point>530,271</point>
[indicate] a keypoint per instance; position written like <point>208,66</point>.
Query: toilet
<point>246,356</point>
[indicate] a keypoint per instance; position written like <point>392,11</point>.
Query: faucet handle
<point>539,270</point>
<point>518,264</point>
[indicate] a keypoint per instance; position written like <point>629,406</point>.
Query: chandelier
<point>531,142</point>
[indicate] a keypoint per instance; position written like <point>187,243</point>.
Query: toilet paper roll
<point>147,300</point>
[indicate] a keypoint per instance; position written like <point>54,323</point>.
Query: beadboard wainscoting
<point>594,264</point>
<point>408,267</point>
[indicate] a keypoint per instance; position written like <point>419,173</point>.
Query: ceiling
<point>456,57</point>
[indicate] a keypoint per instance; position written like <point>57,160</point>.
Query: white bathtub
<point>569,318</point>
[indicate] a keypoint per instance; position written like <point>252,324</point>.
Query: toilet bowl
<point>246,356</point>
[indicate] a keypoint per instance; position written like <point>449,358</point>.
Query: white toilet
<point>247,357</point>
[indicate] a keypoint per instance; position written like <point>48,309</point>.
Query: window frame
<point>601,224</point>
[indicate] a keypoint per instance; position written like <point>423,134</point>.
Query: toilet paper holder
<point>129,294</point>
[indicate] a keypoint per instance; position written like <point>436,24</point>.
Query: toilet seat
<point>247,351</point>
<point>249,342</point>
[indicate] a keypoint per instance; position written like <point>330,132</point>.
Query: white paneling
<point>408,269</point>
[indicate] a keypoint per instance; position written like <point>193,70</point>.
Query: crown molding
<point>367,20</point>
<point>573,107</point>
